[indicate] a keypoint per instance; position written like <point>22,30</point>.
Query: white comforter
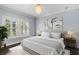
<point>44,45</point>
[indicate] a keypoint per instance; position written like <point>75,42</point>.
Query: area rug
<point>18,50</point>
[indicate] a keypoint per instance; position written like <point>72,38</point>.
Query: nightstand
<point>70,42</point>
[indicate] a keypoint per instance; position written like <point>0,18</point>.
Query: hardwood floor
<point>13,45</point>
<point>7,48</point>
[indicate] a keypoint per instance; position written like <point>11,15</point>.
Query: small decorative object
<point>38,8</point>
<point>3,34</point>
<point>39,33</point>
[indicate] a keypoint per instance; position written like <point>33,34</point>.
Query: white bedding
<point>44,45</point>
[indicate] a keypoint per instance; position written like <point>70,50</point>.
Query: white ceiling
<point>48,9</point>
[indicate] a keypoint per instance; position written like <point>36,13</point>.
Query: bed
<point>39,45</point>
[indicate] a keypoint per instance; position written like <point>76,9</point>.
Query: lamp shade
<point>38,8</point>
<point>71,34</point>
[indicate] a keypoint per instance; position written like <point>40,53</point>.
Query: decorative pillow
<point>55,35</point>
<point>45,34</point>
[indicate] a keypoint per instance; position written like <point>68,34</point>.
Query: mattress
<point>43,45</point>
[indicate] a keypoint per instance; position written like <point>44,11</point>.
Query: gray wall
<point>71,23</point>
<point>40,21</point>
<point>19,15</point>
<point>70,20</point>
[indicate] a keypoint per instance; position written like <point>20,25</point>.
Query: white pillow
<point>45,34</point>
<point>55,35</point>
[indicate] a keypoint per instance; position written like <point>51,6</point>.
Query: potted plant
<point>3,34</point>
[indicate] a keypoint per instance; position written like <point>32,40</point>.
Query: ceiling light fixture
<point>38,8</point>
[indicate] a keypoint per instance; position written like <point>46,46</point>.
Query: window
<point>7,25</point>
<point>24,27</point>
<point>16,27</point>
<point>13,28</point>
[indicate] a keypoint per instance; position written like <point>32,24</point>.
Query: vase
<point>1,43</point>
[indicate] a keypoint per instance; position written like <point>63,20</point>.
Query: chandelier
<point>38,8</point>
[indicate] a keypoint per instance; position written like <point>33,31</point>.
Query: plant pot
<point>1,43</point>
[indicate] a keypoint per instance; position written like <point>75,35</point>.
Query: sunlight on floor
<point>17,51</point>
